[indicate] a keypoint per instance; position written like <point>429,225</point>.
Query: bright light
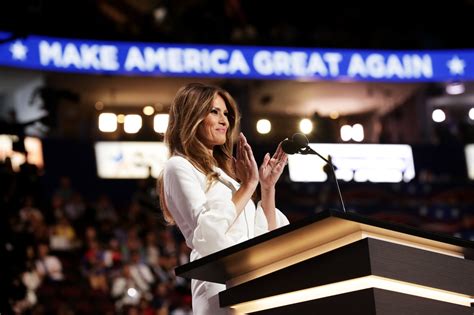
<point>32,145</point>
<point>471,113</point>
<point>334,115</point>
<point>132,123</point>
<point>120,118</point>
<point>160,123</point>
<point>455,88</point>
<point>358,132</point>
<point>107,122</point>
<point>132,292</point>
<point>148,110</point>
<point>264,126</point>
<point>306,125</point>
<point>438,115</point>
<point>346,133</point>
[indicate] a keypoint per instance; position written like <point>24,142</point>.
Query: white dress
<point>207,219</point>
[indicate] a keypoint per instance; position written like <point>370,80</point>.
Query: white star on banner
<point>18,50</point>
<point>456,65</point>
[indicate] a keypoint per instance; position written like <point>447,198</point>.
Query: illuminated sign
<point>469,150</point>
<point>378,163</point>
<point>130,159</point>
<point>155,59</point>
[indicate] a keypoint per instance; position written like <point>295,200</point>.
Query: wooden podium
<point>341,263</point>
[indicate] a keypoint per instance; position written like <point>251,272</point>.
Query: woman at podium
<point>207,192</point>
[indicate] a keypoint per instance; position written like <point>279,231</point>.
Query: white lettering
<point>298,63</point>
<point>90,56</point>
<point>108,57</point>
<point>71,56</point>
<point>50,53</point>
<point>422,66</point>
<point>357,66</point>
<point>375,65</point>
<point>135,60</point>
<point>411,66</point>
<point>262,62</point>
<point>206,66</point>
<point>192,60</point>
<point>154,58</point>
<point>316,65</point>
<point>188,60</point>
<point>216,56</point>
<point>394,67</point>
<point>333,59</point>
<point>407,65</point>
<point>175,60</point>
<point>224,61</point>
<point>237,62</point>
<point>281,63</point>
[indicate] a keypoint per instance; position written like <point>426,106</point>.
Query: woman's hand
<point>245,165</point>
<point>272,168</point>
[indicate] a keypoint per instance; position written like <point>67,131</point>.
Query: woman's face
<point>213,129</point>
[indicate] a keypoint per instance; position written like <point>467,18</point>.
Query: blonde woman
<point>206,191</point>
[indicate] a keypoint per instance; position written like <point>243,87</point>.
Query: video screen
<point>130,159</point>
<point>378,163</point>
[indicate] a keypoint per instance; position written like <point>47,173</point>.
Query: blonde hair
<point>191,105</point>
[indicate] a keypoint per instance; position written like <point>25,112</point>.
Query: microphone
<point>300,139</point>
<point>299,144</point>
<point>289,147</point>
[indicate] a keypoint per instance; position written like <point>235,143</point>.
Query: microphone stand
<point>307,150</point>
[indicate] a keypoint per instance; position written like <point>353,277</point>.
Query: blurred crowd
<point>430,202</point>
<point>67,255</point>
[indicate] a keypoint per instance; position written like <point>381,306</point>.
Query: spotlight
<point>438,115</point>
<point>132,123</point>
<point>346,133</point>
<point>306,125</point>
<point>264,126</point>
<point>357,132</point>
<point>471,113</point>
<point>107,122</point>
<point>148,110</point>
<point>120,118</point>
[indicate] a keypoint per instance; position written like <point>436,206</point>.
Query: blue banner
<point>155,59</point>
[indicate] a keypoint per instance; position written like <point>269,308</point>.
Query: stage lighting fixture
<point>107,122</point>
<point>264,126</point>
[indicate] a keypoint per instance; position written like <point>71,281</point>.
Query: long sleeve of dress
<point>203,217</point>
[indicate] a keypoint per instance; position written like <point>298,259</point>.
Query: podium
<point>342,263</point>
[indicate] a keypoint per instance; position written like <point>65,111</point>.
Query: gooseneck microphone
<point>299,144</point>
